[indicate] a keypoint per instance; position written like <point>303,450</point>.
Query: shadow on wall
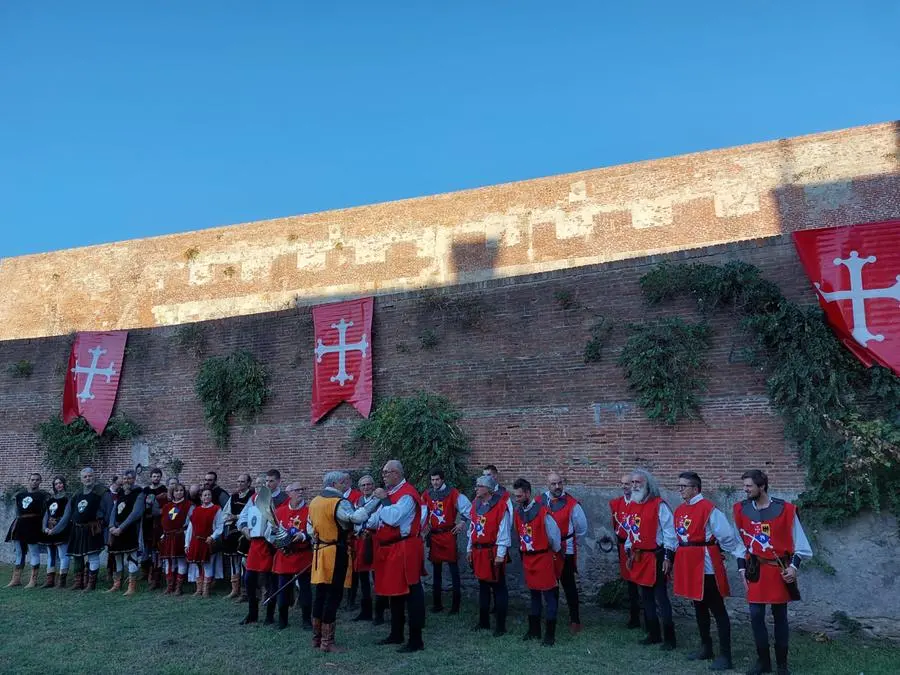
<point>473,260</point>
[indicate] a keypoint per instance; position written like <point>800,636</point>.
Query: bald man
<point>572,523</point>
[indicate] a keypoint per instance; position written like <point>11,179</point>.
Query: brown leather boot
<point>155,573</point>
<point>198,591</point>
<point>50,581</point>
<point>32,582</point>
<point>170,583</point>
<point>317,633</point>
<point>207,585</point>
<point>327,644</point>
<point>16,578</point>
<point>117,584</point>
<point>179,582</point>
<point>235,587</point>
<point>79,580</point>
<point>61,581</point>
<point>91,583</point>
<point>132,585</point>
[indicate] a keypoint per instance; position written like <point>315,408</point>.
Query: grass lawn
<point>53,631</point>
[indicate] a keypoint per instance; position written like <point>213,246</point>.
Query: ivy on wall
<point>843,416</point>
<point>231,387</point>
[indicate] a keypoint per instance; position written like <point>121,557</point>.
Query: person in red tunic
<point>540,542</point>
<point>364,554</point>
<point>444,504</point>
<point>650,549</point>
<point>352,495</point>
<point>257,530</point>
<point>173,521</point>
<point>703,534</point>
<point>489,540</point>
<point>776,544</point>
<point>399,555</point>
<point>293,561</point>
<point>205,525</point>
<point>617,508</point>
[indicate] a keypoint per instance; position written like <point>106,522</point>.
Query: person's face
<point>367,487</point>
<point>751,489</point>
<point>128,483</point>
<point>436,482</point>
<point>156,478</point>
<point>686,490</point>
<point>87,479</point>
<point>34,482</point>
<point>272,483</point>
<point>493,474</point>
<point>58,485</point>
<point>638,487</point>
<point>209,481</point>
<point>626,486</point>
<point>115,485</point>
<point>522,497</point>
<point>243,483</point>
<point>391,477</point>
<point>556,485</point>
<point>172,481</point>
<point>295,495</point>
<point>482,493</point>
<point>178,493</point>
<point>206,497</point>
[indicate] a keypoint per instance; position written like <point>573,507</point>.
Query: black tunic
<point>27,527</point>
<point>128,539</point>
<point>233,542</point>
<point>56,507</point>
<point>86,535</point>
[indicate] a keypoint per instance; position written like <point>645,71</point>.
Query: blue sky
<point>121,120</point>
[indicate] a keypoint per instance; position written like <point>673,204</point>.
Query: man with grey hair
<point>364,552</point>
<point>650,549</point>
<point>488,542</point>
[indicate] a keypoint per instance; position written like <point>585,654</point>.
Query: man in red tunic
<point>489,540</point>
<point>617,508</point>
<point>352,495</point>
<point>703,534</point>
<point>364,554</point>
<point>400,553</point>
<point>256,529</point>
<point>569,516</point>
<point>444,504</point>
<point>540,542</point>
<point>650,549</point>
<point>776,544</point>
<point>294,559</point>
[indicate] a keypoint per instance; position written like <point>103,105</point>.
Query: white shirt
<point>398,515</point>
<point>463,505</point>
<point>504,538</point>
<point>665,531</point>
<point>718,526</point>
<point>577,523</point>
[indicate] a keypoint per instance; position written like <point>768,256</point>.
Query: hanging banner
<point>856,273</point>
<point>342,370</point>
<point>92,378</point>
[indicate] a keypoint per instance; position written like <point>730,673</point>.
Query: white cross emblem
<point>858,295</point>
<point>341,348</point>
<point>107,372</point>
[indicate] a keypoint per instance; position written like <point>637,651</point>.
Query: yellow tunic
<point>322,515</point>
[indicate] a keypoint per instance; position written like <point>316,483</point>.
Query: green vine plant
<point>191,339</point>
<point>843,416</point>
<point>67,448</point>
<point>20,369</point>
<point>231,387</point>
<point>593,350</point>
<point>665,363</point>
<point>421,431</point>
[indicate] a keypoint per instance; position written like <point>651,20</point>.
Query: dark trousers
<point>252,583</point>
<point>286,597</point>
<point>570,587</point>
<point>549,598</point>
<point>712,603</point>
<point>758,624</point>
<point>498,590</point>
<point>413,603</point>
<point>362,582</point>
<point>438,580</point>
<point>634,597</point>
<point>328,596</point>
<point>656,598</point>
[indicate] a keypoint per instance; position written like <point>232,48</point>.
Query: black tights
<point>550,598</point>
<point>414,602</point>
<point>328,596</point>
<point>570,587</point>
<point>758,623</point>
<point>712,603</point>
<point>498,589</point>
<point>656,598</point>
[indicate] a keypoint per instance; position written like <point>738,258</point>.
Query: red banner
<point>92,378</point>
<point>856,272</point>
<point>343,367</point>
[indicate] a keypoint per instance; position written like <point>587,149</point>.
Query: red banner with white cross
<point>856,273</point>
<point>342,370</point>
<point>92,378</point>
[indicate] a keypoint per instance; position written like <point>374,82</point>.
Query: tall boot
<point>317,633</point>
<point>235,587</point>
<point>500,623</point>
<point>146,570</point>
<point>415,643</point>
<point>283,617</point>
<point>437,604</point>
<point>50,581</point>
<point>457,597</point>
<point>484,620</point>
<point>79,580</point>
<point>550,633</point>
<point>16,578</point>
<point>328,645</point>
<point>32,582</point>
<point>365,611</point>
<point>270,612</point>
<point>723,660</point>
<point>91,583</point>
<point>654,637</point>
<point>61,582</point>
<point>179,582</point>
<point>117,584</point>
<point>763,662</point>
<point>705,652</point>
<point>381,604</point>
<point>781,660</point>
<point>207,587</point>
<point>132,585</point>
<point>243,597</point>
<point>198,591</point>
<point>155,573</point>
<point>634,616</point>
<point>534,628</point>
<point>306,613</point>
<point>396,635</point>
<point>668,637</point>
<point>170,583</point>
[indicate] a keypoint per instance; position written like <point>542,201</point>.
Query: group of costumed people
<point>372,541</point>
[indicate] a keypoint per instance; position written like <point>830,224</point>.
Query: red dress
<point>767,540</point>
<point>173,522</point>
<point>399,559</point>
<point>690,527</point>
<point>295,558</point>
<point>643,523</point>
<point>442,519</point>
<point>538,559</point>
<point>485,528</point>
<point>202,519</point>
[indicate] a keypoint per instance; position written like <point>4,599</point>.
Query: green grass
<point>53,631</point>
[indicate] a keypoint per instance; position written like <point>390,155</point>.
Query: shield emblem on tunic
<point>52,508</point>
<point>173,513</point>
<point>82,505</point>
<point>253,522</point>
<point>26,502</point>
<point>120,507</point>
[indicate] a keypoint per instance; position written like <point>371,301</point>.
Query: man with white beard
<point>650,550</point>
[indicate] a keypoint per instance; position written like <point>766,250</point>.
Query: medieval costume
<point>204,522</point>
<point>57,545</point>
<point>363,563</point>
<point>151,530</point>
<point>26,533</point>
<point>329,521</point>
<point>86,512</point>
<point>399,559</point>
<point>234,545</point>
<point>488,542</point>
<point>293,560</point>
<point>173,521</point>
<point>540,542</point>
<point>260,556</point>
<point>126,518</point>
<point>775,541</point>
<point>569,516</point>
<point>703,533</point>
<point>353,495</point>
<point>620,529</point>
<point>444,505</point>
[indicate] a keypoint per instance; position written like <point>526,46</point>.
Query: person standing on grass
<point>173,519</point>
<point>776,544</point>
<point>257,529</point>
<point>57,545</point>
<point>295,559</point>
<point>364,552</point>
<point>703,533</point>
<point>489,541</point>
<point>540,542</point>
<point>150,528</point>
<point>650,550</point>
<point>569,516</point>
<point>125,533</point>
<point>25,530</point>
<point>234,561</point>
<point>444,504</point>
<point>204,528</point>
<point>617,508</point>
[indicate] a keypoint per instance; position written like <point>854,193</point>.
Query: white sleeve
<point>503,536</point>
<point>719,527</point>
<point>579,520</point>
<point>802,549</point>
<point>218,524</point>
<point>463,506</point>
<point>553,533</point>
<point>244,518</point>
<point>667,527</point>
